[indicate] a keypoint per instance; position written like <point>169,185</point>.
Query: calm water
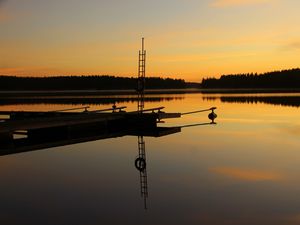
<point>244,170</point>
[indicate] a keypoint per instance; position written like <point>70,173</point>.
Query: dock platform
<point>46,123</point>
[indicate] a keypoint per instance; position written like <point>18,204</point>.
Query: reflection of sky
<point>244,170</point>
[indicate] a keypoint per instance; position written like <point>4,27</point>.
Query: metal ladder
<point>143,172</point>
<point>141,78</point>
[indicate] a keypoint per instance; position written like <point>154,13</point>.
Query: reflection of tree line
<point>83,100</point>
<point>293,101</point>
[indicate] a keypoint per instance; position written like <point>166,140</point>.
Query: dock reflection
<point>26,142</point>
<point>33,141</point>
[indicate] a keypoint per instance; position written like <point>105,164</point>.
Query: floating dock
<point>41,124</point>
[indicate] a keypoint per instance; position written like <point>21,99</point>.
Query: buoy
<point>212,116</point>
<point>140,164</point>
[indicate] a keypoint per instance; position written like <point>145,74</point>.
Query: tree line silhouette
<point>86,83</point>
<point>277,79</point>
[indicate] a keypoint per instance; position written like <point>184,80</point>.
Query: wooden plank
<point>110,109</point>
<point>150,110</point>
<point>71,109</point>
<point>168,115</point>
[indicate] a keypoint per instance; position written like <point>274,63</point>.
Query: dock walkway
<point>42,123</point>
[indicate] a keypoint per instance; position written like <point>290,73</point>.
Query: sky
<point>189,39</point>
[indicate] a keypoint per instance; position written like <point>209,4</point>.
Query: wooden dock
<point>47,123</point>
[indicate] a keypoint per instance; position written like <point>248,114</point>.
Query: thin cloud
<point>29,71</point>
<point>228,3</point>
<point>295,45</point>
<point>246,174</point>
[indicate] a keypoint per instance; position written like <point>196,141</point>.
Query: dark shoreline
<point>284,97</point>
<point>83,93</point>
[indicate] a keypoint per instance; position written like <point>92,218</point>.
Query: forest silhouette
<point>284,79</point>
<point>277,79</point>
<point>85,83</point>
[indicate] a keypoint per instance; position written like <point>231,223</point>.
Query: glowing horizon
<point>184,39</point>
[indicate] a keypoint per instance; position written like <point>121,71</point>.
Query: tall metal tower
<point>141,78</point>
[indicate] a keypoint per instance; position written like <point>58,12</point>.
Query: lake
<point>243,170</point>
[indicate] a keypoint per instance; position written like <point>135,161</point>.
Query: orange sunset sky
<point>188,39</point>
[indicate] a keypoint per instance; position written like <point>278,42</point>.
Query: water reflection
<point>243,171</point>
<point>82,100</point>
<point>141,166</point>
<point>24,141</point>
<point>285,100</point>
<point>32,141</point>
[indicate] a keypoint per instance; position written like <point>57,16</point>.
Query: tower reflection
<point>33,141</point>
<point>141,166</point>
